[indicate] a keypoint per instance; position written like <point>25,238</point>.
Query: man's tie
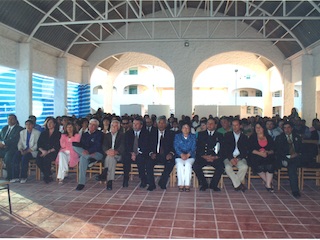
<point>135,143</point>
<point>161,144</point>
<point>7,133</point>
<point>291,146</point>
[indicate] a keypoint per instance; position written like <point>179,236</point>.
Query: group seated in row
<point>151,142</point>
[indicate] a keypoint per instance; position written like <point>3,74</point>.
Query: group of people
<point>228,144</point>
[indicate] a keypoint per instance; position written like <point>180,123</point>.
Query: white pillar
<point>24,83</point>
<point>308,89</point>
<point>183,92</point>
<point>267,97</point>
<point>108,91</point>
<point>288,90</point>
<point>60,88</point>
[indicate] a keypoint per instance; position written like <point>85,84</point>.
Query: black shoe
<point>216,189</point>
<point>242,188</point>
<point>125,183</point>
<point>203,187</point>
<point>238,188</point>
<point>143,184</point>
<point>162,186</point>
<point>80,187</point>
<point>91,162</point>
<point>151,188</point>
<point>100,178</point>
<point>296,194</point>
<point>109,185</point>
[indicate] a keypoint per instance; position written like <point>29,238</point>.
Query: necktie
<point>161,144</point>
<point>135,143</point>
<point>291,146</point>
<point>7,133</point>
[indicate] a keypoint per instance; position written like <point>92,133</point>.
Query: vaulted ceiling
<point>78,27</point>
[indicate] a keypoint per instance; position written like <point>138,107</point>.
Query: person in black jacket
<point>208,153</point>
<point>261,154</point>
<point>136,151</point>
<point>235,151</point>
<point>289,155</point>
<point>161,152</point>
<point>48,148</point>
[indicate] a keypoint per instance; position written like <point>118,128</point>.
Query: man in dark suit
<point>113,147</point>
<point>9,138</point>
<point>235,151</point>
<point>136,151</point>
<point>149,125</point>
<point>289,155</point>
<point>161,152</point>
<point>208,153</point>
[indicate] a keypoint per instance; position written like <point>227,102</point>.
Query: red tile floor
<point>58,211</point>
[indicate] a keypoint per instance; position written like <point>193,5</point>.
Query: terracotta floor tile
<point>119,221</point>
<point>136,230</point>
<point>183,224</point>
<point>202,233</point>
<point>146,215</point>
<point>272,227</point>
<point>18,231</point>
<point>36,233</point>
<point>227,226</point>
<point>159,232</point>
<point>182,216</point>
<point>278,235</point>
<point>247,226</point>
<point>62,234</point>
<point>225,218</point>
<point>114,229</point>
<point>5,227</point>
<point>246,218</point>
<point>205,224</point>
<point>162,223</point>
<point>229,234</point>
<point>145,222</point>
<point>182,232</point>
<point>255,235</point>
<point>301,235</point>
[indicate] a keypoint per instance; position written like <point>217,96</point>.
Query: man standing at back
<point>161,152</point>
<point>9,138</point>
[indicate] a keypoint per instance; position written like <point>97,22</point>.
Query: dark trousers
<point>22,160</point>
<point>7,155</point>
<point>160,160</point>
<point>141,163</point>
<point>219,169</point>
<point>293,165</point>
<point>44,163</point>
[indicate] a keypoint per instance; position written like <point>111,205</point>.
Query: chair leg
<point>8,187</point>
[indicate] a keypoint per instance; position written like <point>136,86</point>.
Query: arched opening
<point>134,78</point>
<point>235,83</point>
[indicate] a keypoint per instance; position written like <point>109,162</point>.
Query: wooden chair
<point>208,172</point>
<point>311,173</point>
<point>282,173</point>
<point>74,169</point>
<point>97,168</point>
<point>1,167</point>
<point>173,178</point>
<point>224,175</point>
<point>33,167</point>
<point>251,176</point>
<point>119,169</point>
<point>158,170</point>
<point>5,185</point>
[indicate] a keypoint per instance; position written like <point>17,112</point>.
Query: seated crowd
<point>229,144</point>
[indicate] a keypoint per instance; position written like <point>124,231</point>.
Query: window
<point>255,110</point>
<point>258,93</point>
<point>42,97</point>
<point>7,94</point>
<point>133,71</point>
<point>244,93</point>
<point>133,89</point>
<point>296,93</point>
<point>277,94</point>
<point>78,99</point>
<point>248,110</point>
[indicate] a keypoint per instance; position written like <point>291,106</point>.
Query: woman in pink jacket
<point>67,156</point>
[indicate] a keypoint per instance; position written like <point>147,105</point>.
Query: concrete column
<point>288,90</point>
<point>60,88</point>
<point>24,83</point>
<point>267,97</point>
<point>308,89</point>
<point>183,92</point>
<point>108,91</point>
